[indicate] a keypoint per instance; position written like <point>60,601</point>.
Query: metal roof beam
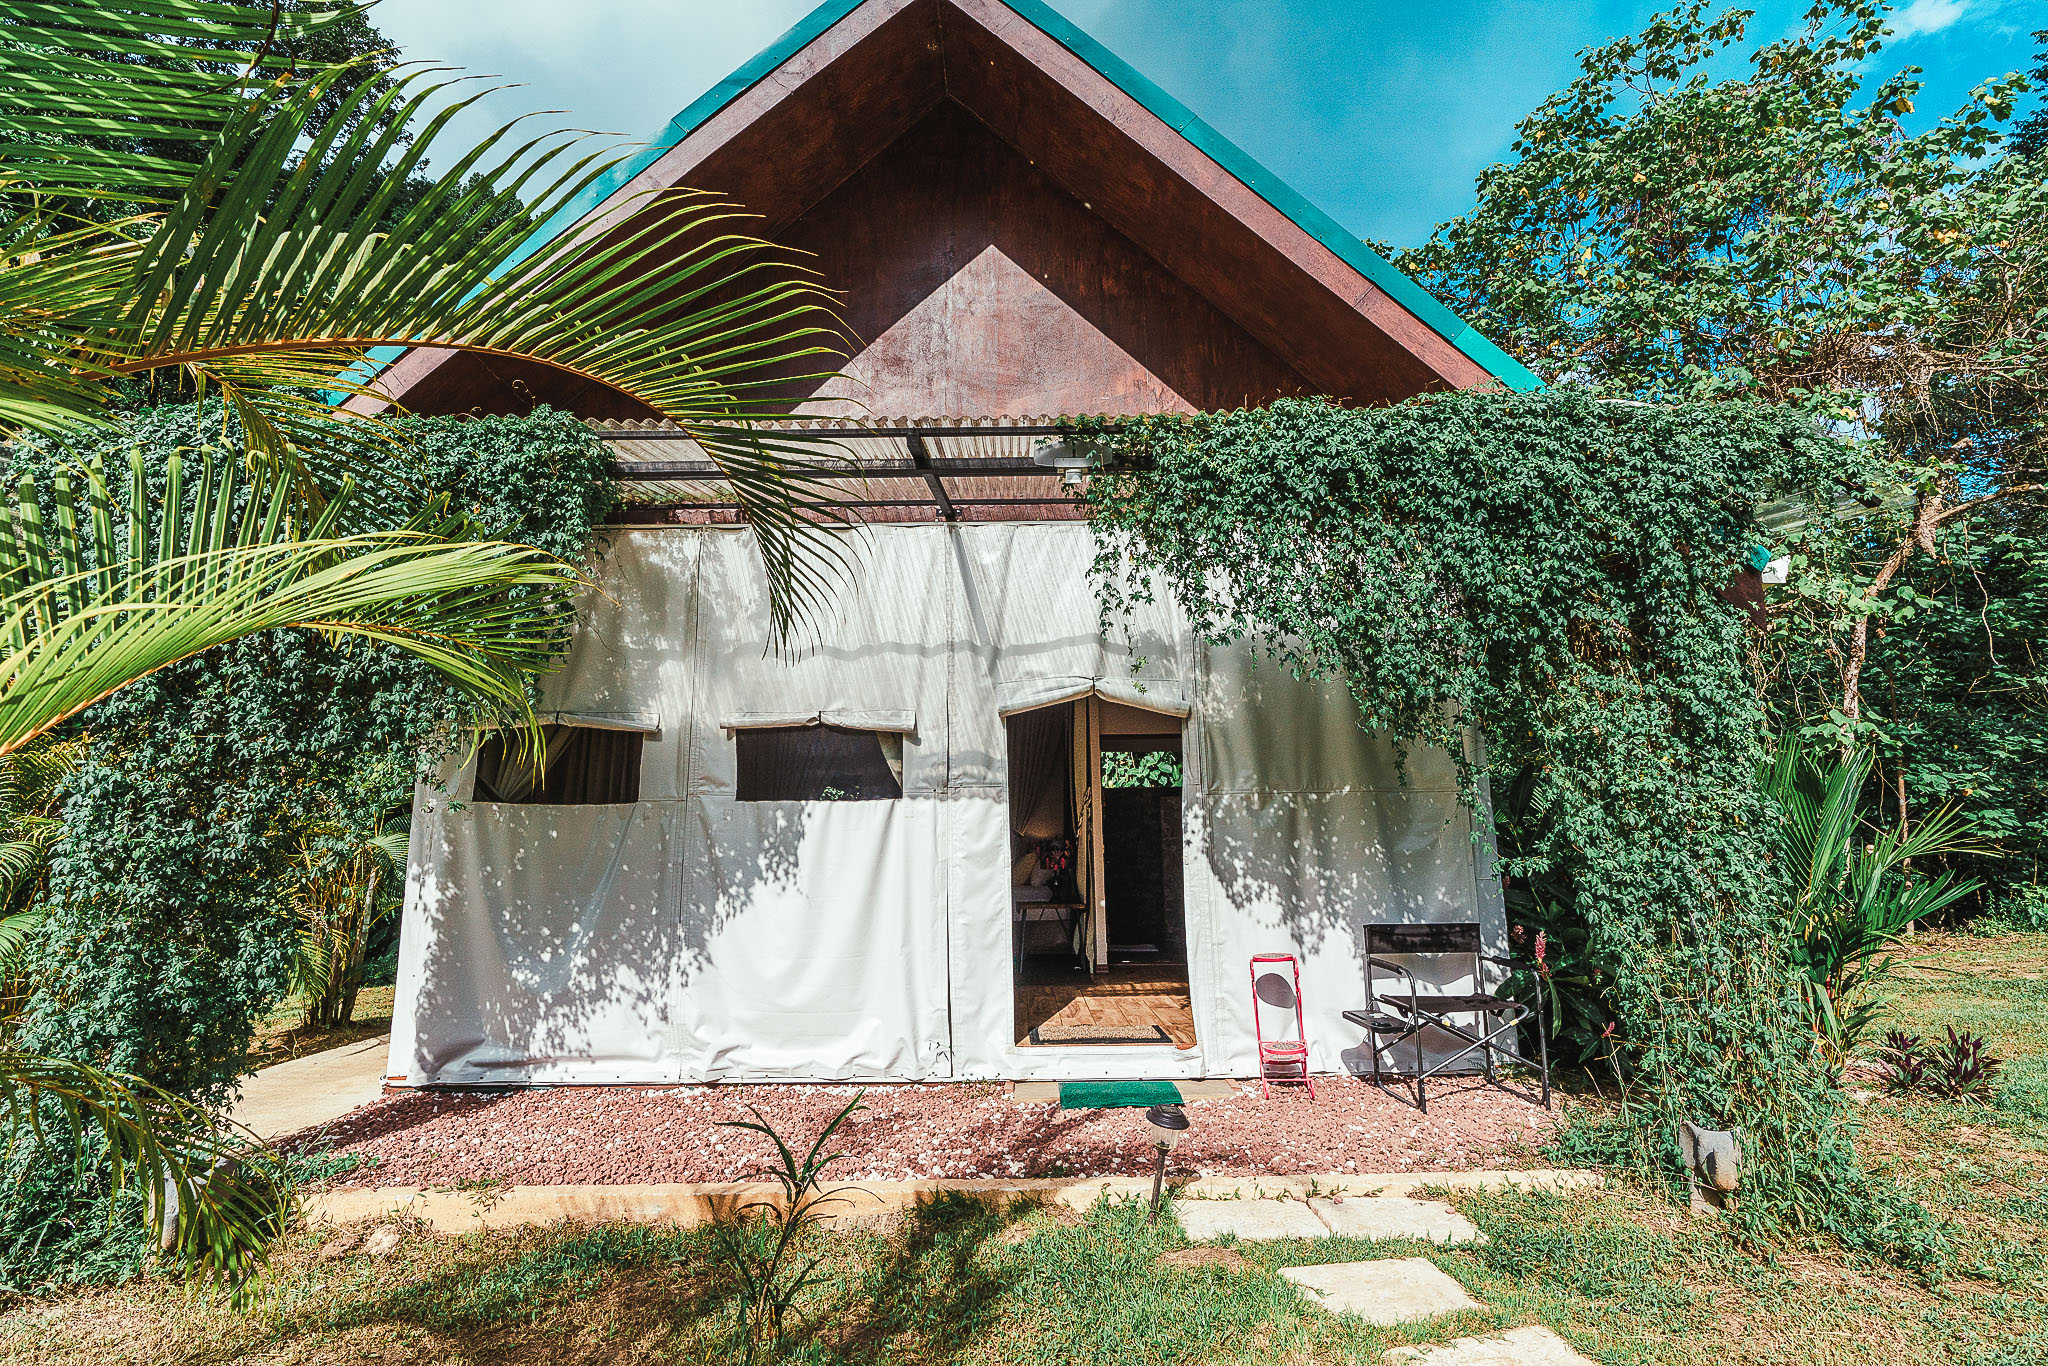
<point>849,430</point>
<point>651,471</point>
<point>922,458</point>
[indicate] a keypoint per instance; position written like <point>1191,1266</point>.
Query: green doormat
<point>1106,1095</point>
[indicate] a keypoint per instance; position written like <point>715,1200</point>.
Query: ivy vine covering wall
<point>170,931</point>
<point>1547,568</point>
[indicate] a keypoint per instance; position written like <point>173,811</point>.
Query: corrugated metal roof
<point>978,462</point>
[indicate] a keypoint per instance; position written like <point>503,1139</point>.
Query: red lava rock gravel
<point>615,1135</point>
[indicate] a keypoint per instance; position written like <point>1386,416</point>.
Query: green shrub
<point>2021,909</point>
<point>169,931</point>
<point>1547,570</point>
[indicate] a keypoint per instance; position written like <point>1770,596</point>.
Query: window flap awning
<point>639,722</point>
<point>642,722</point>
<point>1167,696</point>
<point>846,718</point>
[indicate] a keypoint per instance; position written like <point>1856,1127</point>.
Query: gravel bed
<point>615,1135</point>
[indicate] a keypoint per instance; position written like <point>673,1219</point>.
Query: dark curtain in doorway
<point>1041,752</point>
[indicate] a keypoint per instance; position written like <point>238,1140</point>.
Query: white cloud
<point>1927,16</point>
<point>620,66</point>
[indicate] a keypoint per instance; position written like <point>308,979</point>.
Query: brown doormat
<point>1099,1034</point>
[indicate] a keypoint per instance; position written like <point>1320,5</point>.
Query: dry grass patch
<point>285,1035</point>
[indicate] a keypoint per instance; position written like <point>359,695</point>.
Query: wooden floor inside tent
<point>1123,998</point>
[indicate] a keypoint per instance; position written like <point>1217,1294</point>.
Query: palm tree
<point>1848,890</point>
<point>341,896</point>
<point>259,271</point>
<point>255,269</point>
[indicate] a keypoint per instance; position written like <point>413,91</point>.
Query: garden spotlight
<point>1169,1125</point>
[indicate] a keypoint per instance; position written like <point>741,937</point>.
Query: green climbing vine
<point>1546,569</point>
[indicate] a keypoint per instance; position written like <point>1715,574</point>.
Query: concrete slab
<point>689,1203</point>
<point>1406,1183</point>
<point>1519,1347</point>
<point>1389,1290</point>
<point>1250,1220</point>
<point>314,1090</point>
<point>683,1205</point>
<point>1396,1216</point>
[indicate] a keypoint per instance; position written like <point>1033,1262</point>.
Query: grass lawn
<point>1624,1274</point>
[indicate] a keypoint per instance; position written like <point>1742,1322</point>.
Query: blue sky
<point>1381,111</point>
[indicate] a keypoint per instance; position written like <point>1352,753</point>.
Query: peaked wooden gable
<point>1019,224</point>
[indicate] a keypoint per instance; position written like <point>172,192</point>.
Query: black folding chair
<point>1395,1019</point>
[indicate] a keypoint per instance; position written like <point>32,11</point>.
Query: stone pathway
<point>1380,1216</point>
<point>313,1090</point>
<point>1384,1290</point>
<point>685,1203</point>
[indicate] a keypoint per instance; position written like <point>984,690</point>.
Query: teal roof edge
<point>1275,191</point>
<point>1125,77</point>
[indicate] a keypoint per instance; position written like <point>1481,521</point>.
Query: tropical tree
<point>347,885</point>
<point>1849,891</point>
<point>2030,137</point>
<point>262,267</point>
<point>1663,231</point>
<point>263,274</point>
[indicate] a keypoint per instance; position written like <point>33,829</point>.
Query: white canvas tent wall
<point>689,936</point>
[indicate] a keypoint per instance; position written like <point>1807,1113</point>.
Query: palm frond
<point>83,612</point>
<point>278,264</point>
<point>17,933</point>
<point>21,862</point>
<point>1848,892</point>
<point>391,848</point>
<point>215,1201</point>
<point>86,83</point>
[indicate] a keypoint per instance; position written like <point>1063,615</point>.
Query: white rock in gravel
<point>382,1242</point>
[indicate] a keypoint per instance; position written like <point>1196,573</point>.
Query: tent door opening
<point>1098,933</point>
<point>1141,842</point>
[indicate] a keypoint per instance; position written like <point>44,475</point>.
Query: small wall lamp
<point>1070,458</point>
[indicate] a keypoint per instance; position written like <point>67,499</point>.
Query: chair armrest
<point>1535,971</point>
<point>1385,966</point>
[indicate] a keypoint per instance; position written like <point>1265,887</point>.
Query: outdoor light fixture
<point>1713,1158</point>
<point>1068,457</point>
<point>1169,1125</point>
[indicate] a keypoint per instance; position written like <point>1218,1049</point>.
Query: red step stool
<point>1282,1060</point>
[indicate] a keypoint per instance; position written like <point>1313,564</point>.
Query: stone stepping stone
<point>1388,1290</point>
<point>1397,1216</point>
<point>1518,1347</point>
<point>1250,1220</point>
